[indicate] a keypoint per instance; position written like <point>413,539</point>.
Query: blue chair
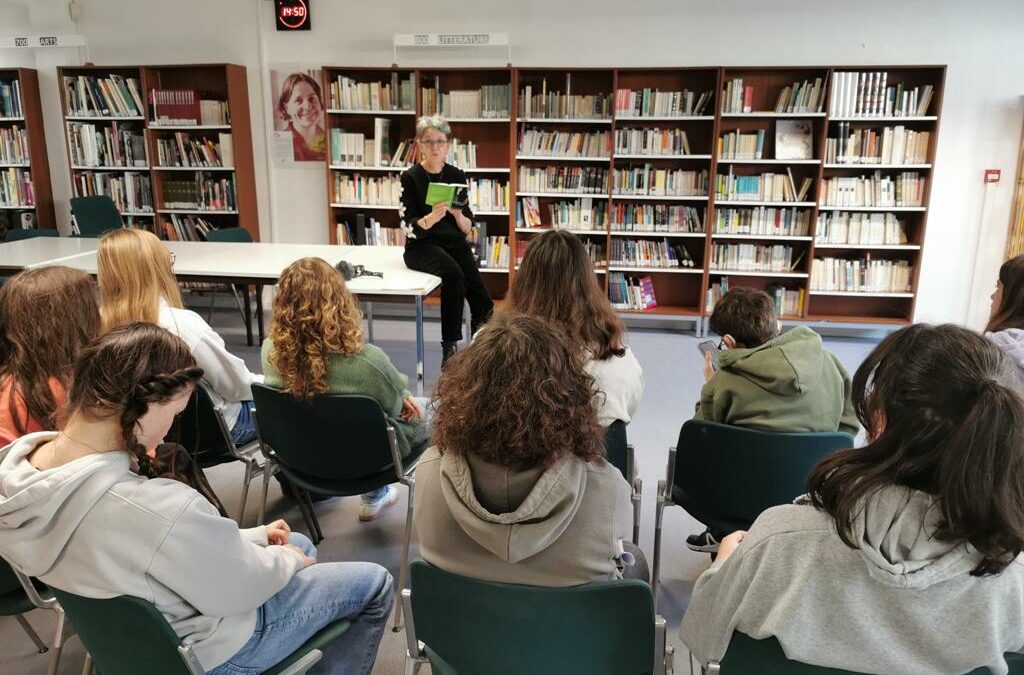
<point>19,234</point>
<point>95,215</point>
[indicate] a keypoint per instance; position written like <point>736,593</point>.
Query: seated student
<point>244,599</point>
<point>137,283</point>
<point>556,282</point>
<point>316,346</point>
<point>1006,321</point>
<point>516,489</point>
<point>46,316</point>
<point>769,381</point>
<point>904,557</point>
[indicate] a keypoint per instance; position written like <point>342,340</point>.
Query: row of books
<point>595,250</point>
<point>865,275</point>
<point>110,96</point>
<point>186,107</point>
<point>869,94</point>
<point>766,187</point>
<point>10,99</point>
<point>564,143</point>
<point>14,145</point>
<point>550,104</point>
<point>634,293</point>
<point>738,145</point>
<point>888,145</point>
<point>488,194</point>
<point>178,227</point>
<point>648,253</point>
<point>648,102</point>
<point>763,220</point>
<point>592,179</point>
<point>131,192</point>
<point>491,252</point>
<point>366,231</point>
<point>492,101</point>
<point>360,189</point>
<point>904,189</point>
<point>111,144</point>
<point>580,214</point>
<point>186,150</point>
<point>651,141</point>
<point>843,227</point>
<point>753,257</point>
<point>204,192</point>
<point>788,302</point>
<point>348,94</point>
<point>799,97</point>
<point>357,149</point>
<point>16,188</point>
<point>461,153</point>
<point>633,217</point>
<point>650,180</point>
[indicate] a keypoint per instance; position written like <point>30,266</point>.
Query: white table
<point>251,263</point>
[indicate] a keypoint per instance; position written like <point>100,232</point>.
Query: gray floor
<point>672,367</point>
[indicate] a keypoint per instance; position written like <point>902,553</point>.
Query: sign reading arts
<point>37,41</point>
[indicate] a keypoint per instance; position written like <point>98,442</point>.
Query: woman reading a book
<point>300,105</point>
<point>436,227</point>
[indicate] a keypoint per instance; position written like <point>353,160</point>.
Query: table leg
<point>369,322</point>
<point>248,315</point>
<point>469,325</point>
<point>419,345</point>
<point>259,311</point>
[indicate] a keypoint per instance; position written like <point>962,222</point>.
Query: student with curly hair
<point>315,346</point>
<point>46,316</point>
<point>76,515</point>
<point>517,489</point>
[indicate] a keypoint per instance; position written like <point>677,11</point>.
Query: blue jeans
<point>421,437</point>
<point>316,596</point>
<point>244,430</point>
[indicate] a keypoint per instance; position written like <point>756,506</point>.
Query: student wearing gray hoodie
<point>905,555</point>
<point>517,489</point>
<point>75,515</point>
<point>1006,320</point>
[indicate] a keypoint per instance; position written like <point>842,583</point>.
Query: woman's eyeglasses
<point>434,144</point>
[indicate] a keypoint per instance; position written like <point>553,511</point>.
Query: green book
<point>444,192</point>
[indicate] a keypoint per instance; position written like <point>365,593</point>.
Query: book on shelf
<point>110,96</point>
<point>634,217</point>
<point>737,97</point>
<point>184,150</point>
<point>802,97</point>
<point>586,179</point>
<point>869,94</point>
<point>184,107</point>
<point>114,144</point>
<point>487,194</point>
<point>863,275</point>
<point>406,153</point>
<point>766,187</point>
<point>649,253</point>
<point>204,192</point>
<point>10,99</point>
<point>14,145</point>
<point>367,231</point>
<point>649,180</point>
<point>367,190</point>
<point>542,102</point>
<point>452,194</point>
<point>763,220</point>
<point>843,227</point>
<point>16,188</point>
<point>754,257</point>
<point>649,102</point>
<point>788,302</point>
<point>907,188</point>
<point>738,145</point>
<point>631,293</point>
<point>491,252</point>
<point>461,153</point>
<point>651,141</point>
<point>544,142</point>
<point>355,149</point>
<point>347,93</point>
<point>381,141</point>
<point>715,292</point>
<point>885,145</point>
<point>491,101</point>
<point>178,227</point>
<point>131,192</point>
<point>793,140</point>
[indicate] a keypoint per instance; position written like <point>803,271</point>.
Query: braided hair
<point>125,371</point>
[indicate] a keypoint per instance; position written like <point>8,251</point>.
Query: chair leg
<point>87,666</point>
<point>245,492</point>
<point>658,516</point>
<point>58,643</point>
<point>267,473</point>
<point>40,645</point>
<point>637,499</point>
<point>309,515</point>
<point>209,310</point>
<point>411,485</point>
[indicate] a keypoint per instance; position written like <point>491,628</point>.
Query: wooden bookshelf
<point>154,210</point>
<point>29,162</point>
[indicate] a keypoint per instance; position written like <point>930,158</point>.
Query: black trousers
<point>460,281</point>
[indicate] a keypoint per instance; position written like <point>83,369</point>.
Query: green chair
<point>237,235</point>
<point>725,476</point>
<point>19,234</point>
<point>747,656</point>
<point>129,636</point>
<point>622,455</point>
<point>95,215</point>
<point>464,626</point>
<point>18,596</point>
<point>334,445</point>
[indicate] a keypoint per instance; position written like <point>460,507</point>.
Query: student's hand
<point>709,370</point>
<point>728,545</point>
<point>411,409</point>
<point>277,532</point>
<point>306,560</point>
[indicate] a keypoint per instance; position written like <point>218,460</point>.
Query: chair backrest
<point>8,579</point>
<point>124,635</point>
<point>18,234</point>
<point>230,234</point>
<point>473,627</point>
<point>615,443</point>
<point>200,429</point>
<point>95,215</point>
<point>333,437</point>
<point>725,475</point>
<point>747,656</point>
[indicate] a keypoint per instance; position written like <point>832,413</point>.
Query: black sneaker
<point>704,542</point>
<point>448,350</point>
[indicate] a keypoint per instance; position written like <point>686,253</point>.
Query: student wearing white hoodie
<point>243,599</point>
<point>1006,320</point>
<point>905,555</point>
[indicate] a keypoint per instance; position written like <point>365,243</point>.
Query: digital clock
<point>292,14</point>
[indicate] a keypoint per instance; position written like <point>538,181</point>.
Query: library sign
<point>41,41</point>
<point>292,14</point>
<point>451,40</point>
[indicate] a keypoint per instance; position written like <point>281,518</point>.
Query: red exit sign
<point>292,14</point>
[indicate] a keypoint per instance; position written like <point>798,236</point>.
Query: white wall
<point>980,42</point>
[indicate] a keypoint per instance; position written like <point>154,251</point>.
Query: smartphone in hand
<point>709,347</point>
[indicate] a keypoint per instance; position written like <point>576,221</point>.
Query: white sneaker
<point>370,510</point>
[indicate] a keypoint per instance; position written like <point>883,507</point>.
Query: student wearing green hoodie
<point>905,555</point>
<point>770,381</point>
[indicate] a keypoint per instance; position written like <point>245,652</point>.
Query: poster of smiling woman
<point>298,115</point>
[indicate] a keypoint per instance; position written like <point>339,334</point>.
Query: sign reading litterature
<point>451,39</point>
<point>292,14</point>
